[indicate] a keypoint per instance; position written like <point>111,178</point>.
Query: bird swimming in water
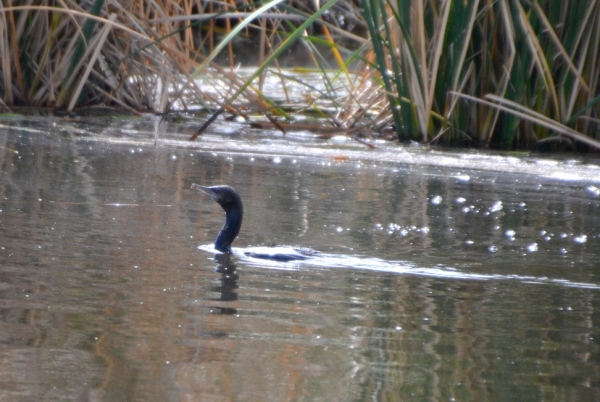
<point>231,202</point>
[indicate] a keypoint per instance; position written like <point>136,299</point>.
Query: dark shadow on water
<point>229,277</point>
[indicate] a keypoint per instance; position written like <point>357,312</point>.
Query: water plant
<point>504,73</point>
<point>486,73</point>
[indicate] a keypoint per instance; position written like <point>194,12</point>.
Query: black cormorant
<point>231,202</point>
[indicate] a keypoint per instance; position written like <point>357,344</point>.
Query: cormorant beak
<point>208,191</point>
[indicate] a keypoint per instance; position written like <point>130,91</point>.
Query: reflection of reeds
<point>482,72</point>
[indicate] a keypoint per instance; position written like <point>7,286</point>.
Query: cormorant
<point>231,202</point>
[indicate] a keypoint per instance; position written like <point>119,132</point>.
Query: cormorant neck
<point>233,222</point>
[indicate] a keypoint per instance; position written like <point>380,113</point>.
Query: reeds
<point>504,73</point>
<point>77,54</point>
<point>137,54</point>
<point>489,72</point>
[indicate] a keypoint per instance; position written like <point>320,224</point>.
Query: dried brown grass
<point>133,54</point>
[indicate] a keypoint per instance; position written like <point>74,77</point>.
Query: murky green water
<point>437,282</point>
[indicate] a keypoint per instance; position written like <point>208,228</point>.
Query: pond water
<point>442,277</point>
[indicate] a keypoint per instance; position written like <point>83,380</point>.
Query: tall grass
<point>136,54</point>
<point>62,56</point>
<point>489,72</point>
<point>502,73</point>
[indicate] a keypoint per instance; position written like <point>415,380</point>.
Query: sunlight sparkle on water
<point>436,200</point>
<point>595,191</point>
<point>497,206</point>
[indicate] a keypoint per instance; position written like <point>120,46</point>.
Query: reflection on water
<point>227,289</point>
<point>435,283</point>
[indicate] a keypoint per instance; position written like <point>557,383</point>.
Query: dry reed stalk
<point>140,54</point>
<point>137,58</point>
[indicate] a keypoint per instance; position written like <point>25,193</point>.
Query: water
<point>437,281</point>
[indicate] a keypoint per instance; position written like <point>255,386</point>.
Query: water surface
<point>437,281</point>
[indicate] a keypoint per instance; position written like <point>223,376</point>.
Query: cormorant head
<point>225,196</point>
<point>231,202</point>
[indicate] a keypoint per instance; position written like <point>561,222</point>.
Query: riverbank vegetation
<point>484,73</point>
